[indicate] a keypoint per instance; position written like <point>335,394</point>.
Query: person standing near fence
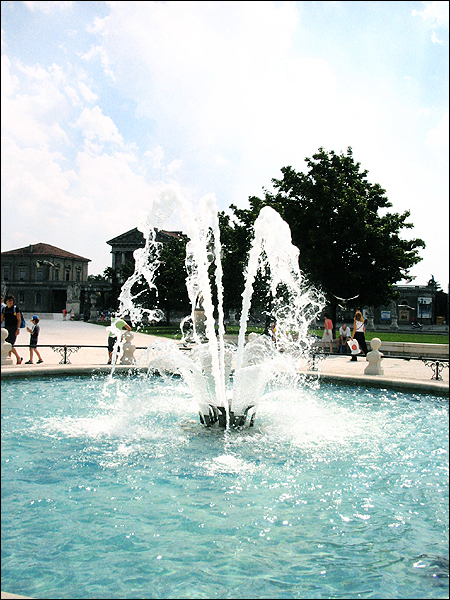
<point>34,329</point>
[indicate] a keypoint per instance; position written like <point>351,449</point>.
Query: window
<point>22,273</point>
<point>38,299</point>
<point>424,308</point>
<point>6,273</point>
<point>38,274</point>
<point>56,274</point>
<point>21,298</point>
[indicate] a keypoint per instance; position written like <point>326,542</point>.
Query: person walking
<point>12,320</point>
<point>359,332</point>
<point>327,333</point>
<point>34,329</point>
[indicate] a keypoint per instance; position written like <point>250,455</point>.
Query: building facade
<point>44,278</point>
<point>123,246</point>
<point>414,303</point>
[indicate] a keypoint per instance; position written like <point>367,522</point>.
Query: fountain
<point>226,381</point>
<point>111,487</point>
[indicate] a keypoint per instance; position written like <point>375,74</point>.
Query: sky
<point>105,104</point>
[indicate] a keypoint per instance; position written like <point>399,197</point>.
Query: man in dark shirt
<point>12,319</point>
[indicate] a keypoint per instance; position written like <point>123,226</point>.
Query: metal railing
<point>437,365</point>
<point>65,350</point>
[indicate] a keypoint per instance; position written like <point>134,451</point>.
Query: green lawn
<point>173,332</point>
<point>418,338</point>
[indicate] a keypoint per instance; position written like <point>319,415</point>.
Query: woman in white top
<point>359,331</point>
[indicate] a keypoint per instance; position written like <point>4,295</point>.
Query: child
<point>34,330</point>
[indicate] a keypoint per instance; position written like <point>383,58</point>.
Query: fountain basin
<point>120,492</point>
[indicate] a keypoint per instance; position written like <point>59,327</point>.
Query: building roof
<point>135,237</point>
<point>44,250</point>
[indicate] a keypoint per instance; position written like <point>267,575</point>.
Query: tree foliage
<point>171,278</point>
<point>349,241</point>
<point>170,292</point>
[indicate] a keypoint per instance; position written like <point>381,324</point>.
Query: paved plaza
<point>56,332</point>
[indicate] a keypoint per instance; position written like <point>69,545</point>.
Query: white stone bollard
<point>374,357</point>
<point>6,348</point>
<point>128,350</point>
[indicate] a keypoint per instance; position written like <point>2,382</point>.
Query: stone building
<point>123,246</point>
<point>414,302</point>
<point>44,279</point>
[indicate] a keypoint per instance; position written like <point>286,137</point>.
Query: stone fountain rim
<point>436,388</point>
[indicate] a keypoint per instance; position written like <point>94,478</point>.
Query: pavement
<point>411,374</point>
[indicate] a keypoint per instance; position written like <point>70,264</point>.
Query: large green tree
<point>350,243</point>
<point>171,278</point>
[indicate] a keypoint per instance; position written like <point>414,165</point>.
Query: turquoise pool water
<point>116,491</point>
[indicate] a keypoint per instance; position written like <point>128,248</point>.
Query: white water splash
<point>207,369</point>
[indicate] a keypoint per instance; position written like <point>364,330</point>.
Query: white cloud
<point>47,7</point>
<point>34,185</point>
<point>435,39</point>
<point>96,126</point>
<point>86,92</point>
<point>72,95</point>
<point>9,83</point>
<point>224,81</point>
<point>104,60</point>
<point>34,107</point>
<point>173,166</point>
<point>156,157</point>
<point>435,13</point>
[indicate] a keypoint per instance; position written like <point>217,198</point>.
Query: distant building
<point>47,279</point>
<point>415,302</point>
<point>123,246</point>
<point>43,278</point>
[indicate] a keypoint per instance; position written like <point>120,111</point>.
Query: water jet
<point>228,381</point>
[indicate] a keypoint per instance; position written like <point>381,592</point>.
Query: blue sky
<point>105,103</point>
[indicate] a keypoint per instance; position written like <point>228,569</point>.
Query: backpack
<point>22,322</point>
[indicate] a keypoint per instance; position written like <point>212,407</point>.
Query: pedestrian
<point>12,320</point>
<point>34,329</point>
<point>116,325</point>
<point>3,306</point>
<point>359,332</point>
<point>344,335</point>
<point>327,333</point>
<point>72,315</point>
<point>64,314</point>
